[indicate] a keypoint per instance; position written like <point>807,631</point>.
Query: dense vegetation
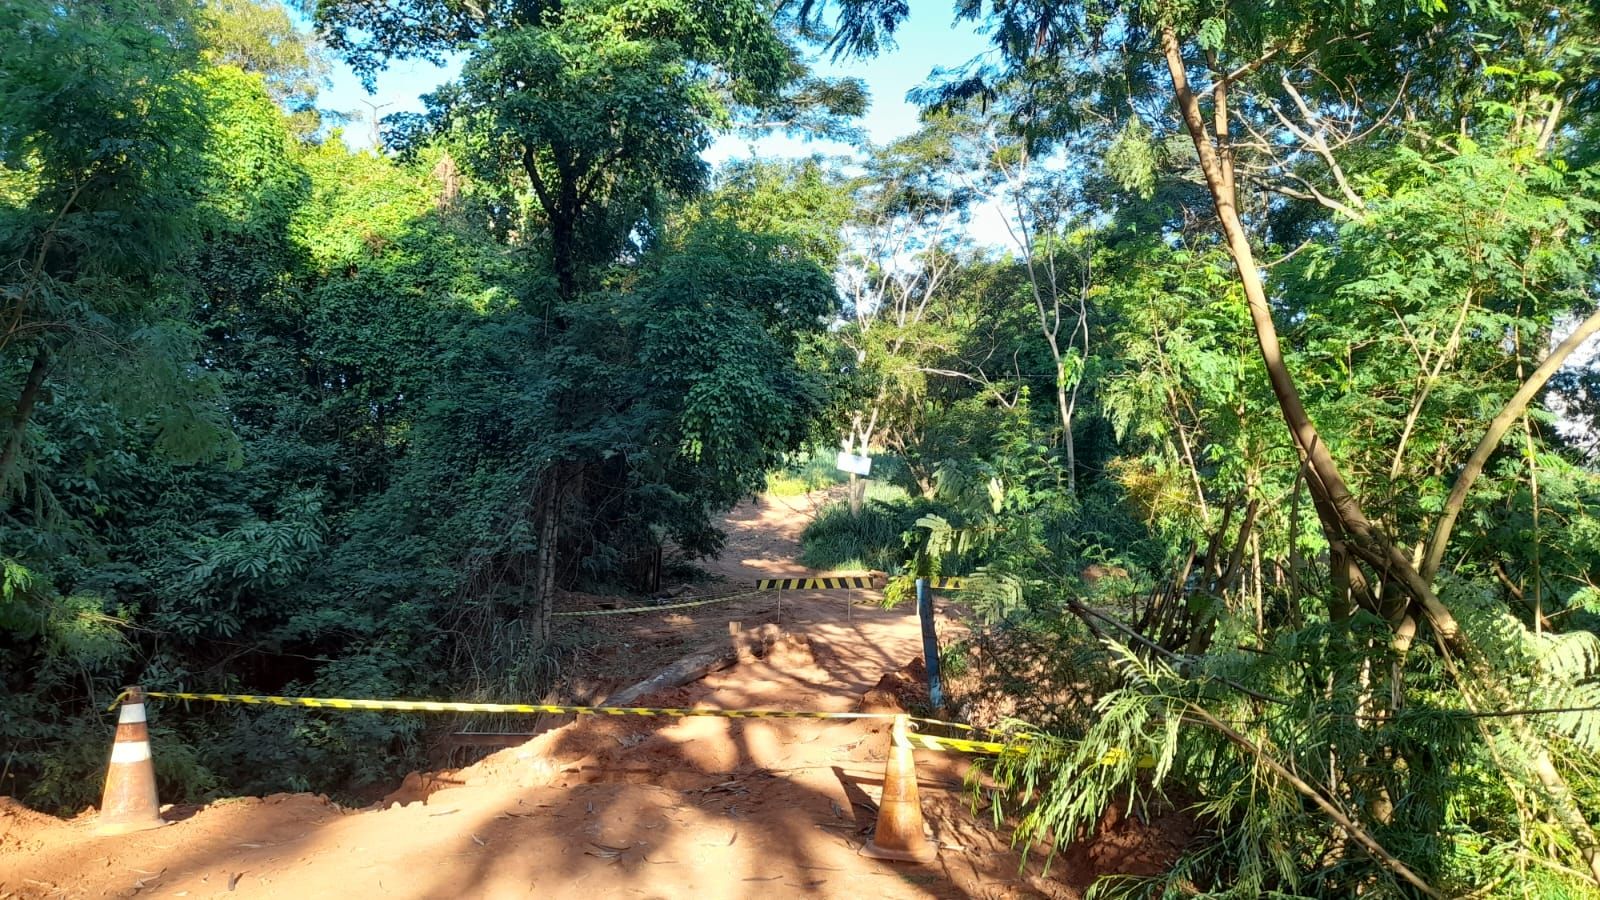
<point>1270,425</point>
<point>286,417</point>
<point>1273,424</point>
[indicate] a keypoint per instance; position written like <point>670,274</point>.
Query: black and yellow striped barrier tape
<point>1017,743</point>
<point>513,708</point>
<point>654,608</point>
<point>1017,746</point>
<point>927,742</point>
<point>948,584</point>
<point>820,583</point>
<point>828,583</point>
<point>1014,734</point>
<point>1117,754</point>
<point>962,745</point>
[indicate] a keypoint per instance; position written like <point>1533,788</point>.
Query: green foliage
<point>806,203</point>
<point>600,108</point>
<point>260,37</point>
<point>284,418</point>
<point>1414,189</point>
<point>103,205</point>
<point>347,441</point>
<point>1453,815</point>
<point>1131,160</point>
<point>874,539</point>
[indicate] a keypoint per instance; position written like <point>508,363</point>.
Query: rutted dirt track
<point>699,807</point>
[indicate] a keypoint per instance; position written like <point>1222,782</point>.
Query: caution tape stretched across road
<point>1016,747</point>
<point>817,583</point>
<point>962,726</point>
<point>513,708</point>
<point>653,608</point>
<point>821,583</point>
<point>1017,743</point>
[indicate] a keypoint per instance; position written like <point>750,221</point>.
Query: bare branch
<point>1497,429</point>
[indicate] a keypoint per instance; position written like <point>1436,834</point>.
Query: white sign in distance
<point>854,464</point>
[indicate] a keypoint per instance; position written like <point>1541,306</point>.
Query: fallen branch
<point>696,666</point>
<point>1359,834</point>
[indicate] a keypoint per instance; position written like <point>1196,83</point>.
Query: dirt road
<point>639,807</point>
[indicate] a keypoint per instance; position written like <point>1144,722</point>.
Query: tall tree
<point>597,110</point>
<point>260,37</point>
<point>911,203</point>
<point>104,207</point>
<point>1278,97</point>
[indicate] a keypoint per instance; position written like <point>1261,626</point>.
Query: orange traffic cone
<point>130,803</point>
<point>899,832</point>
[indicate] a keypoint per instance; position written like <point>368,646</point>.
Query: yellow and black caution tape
<point>1117,754</point>
<point>514,708</point>
<point>1017,744</point>
<point>962,726</point>
<point>342,703</point>
<point>962,745</point>
<point>655,608</point>
<point>826,583</point>
<point>1015,747</point>
<point>948,584</point>
<point>820,583</point>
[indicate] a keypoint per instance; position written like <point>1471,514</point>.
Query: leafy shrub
<point>955,660</point>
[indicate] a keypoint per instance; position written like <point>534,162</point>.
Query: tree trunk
<point>20,416</point>
<point>562,257</point>
<point>1301,428</point>
<point>1340,512</point>
<point>545,585</point>
<point>1065,406</point>
<point>743,646</point>
<point>561,208</point>
<point>688,669</point>
<point>556,490</point>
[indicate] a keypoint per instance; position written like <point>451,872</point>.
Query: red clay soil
<point>617,807</point>
<point>1142,844</point>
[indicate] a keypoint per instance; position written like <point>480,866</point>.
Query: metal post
<point>930,644</point>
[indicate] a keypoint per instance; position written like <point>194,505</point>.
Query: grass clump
<point>872,540</point>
